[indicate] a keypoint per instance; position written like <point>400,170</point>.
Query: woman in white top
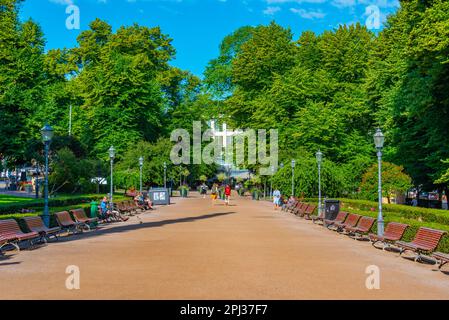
<point>276,199</point>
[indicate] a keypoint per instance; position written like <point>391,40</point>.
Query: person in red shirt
<point>227,194</point>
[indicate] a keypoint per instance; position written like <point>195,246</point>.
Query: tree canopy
<point>325,91</point>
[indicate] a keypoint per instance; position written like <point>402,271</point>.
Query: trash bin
<point>331,209</point>
<point>159,196</point>
<point>94,212</point>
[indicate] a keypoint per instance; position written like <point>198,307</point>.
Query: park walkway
<point>192,250</point>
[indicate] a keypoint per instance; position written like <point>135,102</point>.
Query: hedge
<point>415,217</point>
<point>416,213</point>
<point>52,202</point>
<point>53,223</point>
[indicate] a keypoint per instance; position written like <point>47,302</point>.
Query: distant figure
<point>227,194</point>
<point>276,199</point>
<point>415,202</point>
<point>214,193</point>
<point>143,201</point>
<point>444,205</point>
<point>105,214</point>
<point>203,190</point>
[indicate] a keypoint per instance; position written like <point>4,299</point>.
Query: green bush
<point>415,217</point>
<point>306,178</point>
<point>39,203</point>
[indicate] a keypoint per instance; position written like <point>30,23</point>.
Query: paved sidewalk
<point>193,250</point>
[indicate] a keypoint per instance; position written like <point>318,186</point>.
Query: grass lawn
<point>38,210</point>
<point>7,199</point>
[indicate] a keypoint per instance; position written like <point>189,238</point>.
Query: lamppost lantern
<point>165,165</point>
<point>47,133</point>
<point>293,163</point>
<point>112,152</point>
<point>319,156</point>
<point>379,139</point>
<point>282,165</point>
<point>141,161</point>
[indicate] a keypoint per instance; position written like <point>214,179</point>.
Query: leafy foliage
<point>394,181</point>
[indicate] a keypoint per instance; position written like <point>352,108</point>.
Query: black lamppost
<point>112,157</point>
<point>165,175</point>
<point>293,176</point>
<point>379,140</point>
<point>319,159</point>
<point>141,166</point>
<point>47,135</point>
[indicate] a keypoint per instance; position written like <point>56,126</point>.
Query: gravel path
<point>193,250</point>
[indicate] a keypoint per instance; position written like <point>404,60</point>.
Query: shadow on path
<point>143,225</point>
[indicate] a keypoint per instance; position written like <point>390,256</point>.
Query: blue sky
<point>198,26</point>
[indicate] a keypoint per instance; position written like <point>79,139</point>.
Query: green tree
<point>394,181</point>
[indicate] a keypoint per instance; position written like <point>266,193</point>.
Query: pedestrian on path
<point>276,199</point>
<point>444,205</point>
<point>214,193</point>
<point>227,194</point>
<point>203,190</point>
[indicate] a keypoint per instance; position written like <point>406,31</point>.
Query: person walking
<point>227,194</point>
<point>276,199</point>
<point>444,205</point>
<point>214,193</point>
<point>203,190</point>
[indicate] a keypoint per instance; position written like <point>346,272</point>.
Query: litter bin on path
<point>331,209</point>
<point>159,196</point>
<point>94,213</point>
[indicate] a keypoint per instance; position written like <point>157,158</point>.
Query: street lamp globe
<point>293,163</point>
<point>112,152</point>
<point>319,156</point>
<point>47,133</point>
<point>379,139</point>
<point>141,161</point>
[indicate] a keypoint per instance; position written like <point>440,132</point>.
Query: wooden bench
<point>393,232</point>
<point>81,217</point>
<point>351,221</point>
<point>301,209</point>
<point>11,232</point>
<point>36,224</point>
<point>441,257</point>
<point>341,216</point>
<point>290,205</point>
<point>66,223</point>
<point>317,218</point>
<point>309,210</point>
<point>426,241</point>
<point>294,208</point>
<point>3,242</point>
<point>363,227</point>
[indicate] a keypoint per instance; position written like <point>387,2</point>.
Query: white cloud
<point>63,2</point>
<point>343,3</point>
<point>294,1</point>
<point>271,10</point>
<point>308,14</point>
